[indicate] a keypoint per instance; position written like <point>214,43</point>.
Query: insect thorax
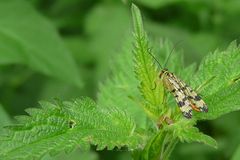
<point>164,76</point>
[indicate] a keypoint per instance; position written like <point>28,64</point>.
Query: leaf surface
<point>65,126</point>
<point>28,38</point>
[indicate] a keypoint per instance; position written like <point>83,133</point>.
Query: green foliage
<point>189,133</point>
<point>154,147</point>
<point>4,117</point>
<point>227,76</point>
<point>145,69</point>
<point>98,23</point>
<point>34,42</point>
<point>65,126</point>
<point>133,110</point>
<point>120,90</point>
<point>189,41</point>
<point>236,155</point>
<point>218,78</point>
<point>76,155</point>
<point>147,74</point>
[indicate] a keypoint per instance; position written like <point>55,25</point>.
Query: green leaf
<point>76,155</point>
<point>4,118</point>
<point>145,69</point>
<point>65,126</point>
<point>28,38</point>
<point>218,78</point>
<point>120,90</point>
<point>154,147</point>
<point>185,131</point>
<point>137,21</point>
<point>236,155</point>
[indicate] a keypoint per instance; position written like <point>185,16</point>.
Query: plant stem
<point>169,149</point>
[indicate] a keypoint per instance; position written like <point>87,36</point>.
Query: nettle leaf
<point>218,78</point>
<point>185,131</point>
<point>76,155</point>
<point>65,126</point>
<point>28,38</point>
<point>121,90</point>
<point>4,118</point>
<point>145,69</point>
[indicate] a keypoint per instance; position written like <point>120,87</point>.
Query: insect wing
<point>196,101</point>
<point>181,98</point>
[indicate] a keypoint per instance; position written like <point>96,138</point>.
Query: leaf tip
<point>137,20</point>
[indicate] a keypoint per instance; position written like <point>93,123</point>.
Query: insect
<point>186,98</point>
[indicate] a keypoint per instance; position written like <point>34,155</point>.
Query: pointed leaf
<point>185,131</point>
<point>219,79</point>
<point>145,69</point>
<point>75,124</point>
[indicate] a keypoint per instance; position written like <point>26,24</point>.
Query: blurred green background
<point>61,49</point>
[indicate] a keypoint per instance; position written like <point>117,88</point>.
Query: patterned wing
<point>182,99</point>
<point>196,101</point>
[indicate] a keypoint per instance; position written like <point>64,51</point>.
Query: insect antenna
<point>166,61</point>
<point>149,52</point>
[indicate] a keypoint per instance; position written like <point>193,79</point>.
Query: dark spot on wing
<point>188,115</point>
<point>183,88</point>
<point>197,98</point>
<point>170,74</point>
<point>190,97</point>
<point>184,99</point>
<point>204,108</point>
<point>181,103</point>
